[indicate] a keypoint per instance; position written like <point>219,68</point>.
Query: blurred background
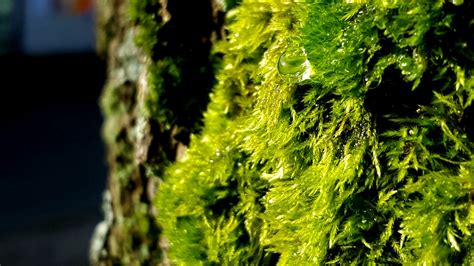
<point>52,166</point>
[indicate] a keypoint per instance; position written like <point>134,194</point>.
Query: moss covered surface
<point>337,132</point>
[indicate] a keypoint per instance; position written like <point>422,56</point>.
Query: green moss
<point>356,149</point>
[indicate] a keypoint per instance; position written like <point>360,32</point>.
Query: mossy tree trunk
<point>142,139</point>
<point>336,132</point>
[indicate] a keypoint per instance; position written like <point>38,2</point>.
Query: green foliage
<point>338,132</point>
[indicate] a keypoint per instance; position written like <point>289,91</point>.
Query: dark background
<point>52,166</point>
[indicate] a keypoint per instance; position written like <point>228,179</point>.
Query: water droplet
<point>457,2</point>
<point>218,152</point>
<point>404,63</point>
<point>293,61</point>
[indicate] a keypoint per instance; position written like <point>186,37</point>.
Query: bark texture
<point>139,142</point>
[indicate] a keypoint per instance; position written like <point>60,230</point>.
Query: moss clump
<point>338,132</point>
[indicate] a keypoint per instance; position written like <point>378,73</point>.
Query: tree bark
<point>139,144</point>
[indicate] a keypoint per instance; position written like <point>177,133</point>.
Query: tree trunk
<point>143,130</point>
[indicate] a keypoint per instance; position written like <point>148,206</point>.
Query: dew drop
<point>293,61</point>
<point>457,2</point>
<point>404,63</point>
<point>218,152</point>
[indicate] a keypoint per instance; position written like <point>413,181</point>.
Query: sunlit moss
<point>368,159</point>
